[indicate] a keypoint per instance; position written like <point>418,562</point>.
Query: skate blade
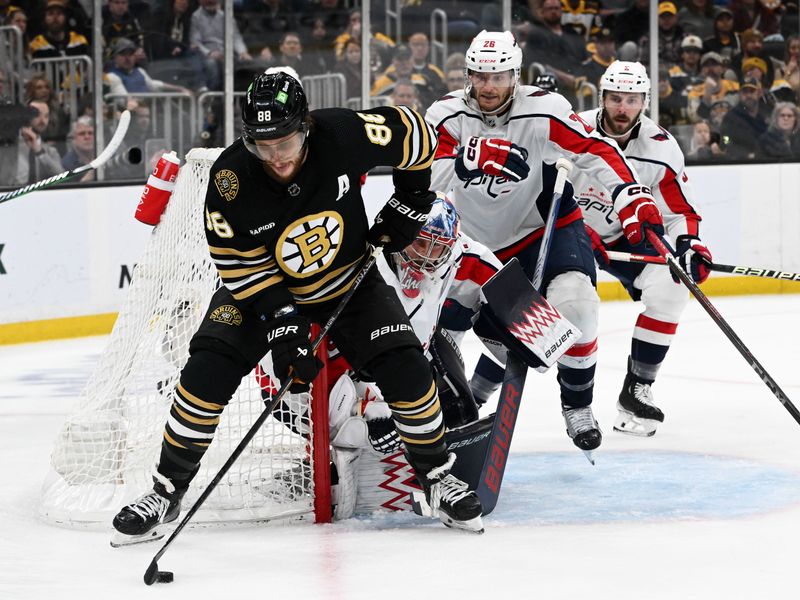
<point>471,525</point>
<point>589,454</point>
<point>120,540</point>
<point>629,424</point>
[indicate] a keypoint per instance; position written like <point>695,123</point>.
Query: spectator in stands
<point>791,63</point>
<point>702,146</point>
<point>712,88</point>
<point>673,108</point>
<point>632,24</point>
<point>125,78</point>
<point>755,14</point>
<point>782,139</point>
<point>29,159</point>
<point>582,16</point>
<point>350,67</point>
<point>670,34</point>
<point>118,22</point>
<point>17,18</point>
<point>381,46</point>
<point>454,71</point>
<point>38,89</point>
<point>318,47</point>
<point>753,47</point>
<point>687,72</point>
<point>724,41</point>
<point>604,54</point>
<point>697,18</point>
<point>745,123</point>
<point>81,147</point>
<point>402,67</point>
<point>756,68</point>
<point>407,94</point>
<point>56,39</point>
<point>169,33</point>
<point>207,35</point>
<point>333,15</point>
<point>717,113</point>
<point>290,54</point>
<point>5,8</point>
<point>420,49</point>
<point>559,48</point>
<point>264,23</point>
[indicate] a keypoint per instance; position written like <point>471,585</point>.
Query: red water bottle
<point>158,189</point>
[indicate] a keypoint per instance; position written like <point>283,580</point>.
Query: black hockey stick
<point>102,158</point>
<point>505,417</point>
<point>663,249</point>
<point>152,574</point>
<point>735,269</point>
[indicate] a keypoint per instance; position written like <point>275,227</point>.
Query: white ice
<point>708,508</point>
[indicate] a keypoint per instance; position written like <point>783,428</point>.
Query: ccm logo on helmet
<point>389,329</point>
<point>264,115</point>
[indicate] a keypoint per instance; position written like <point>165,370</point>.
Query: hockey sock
<point>577,386</point>
<point>207,383</point>
<point>404,376</point>
<point>645,360</point>
<point>486,379</point>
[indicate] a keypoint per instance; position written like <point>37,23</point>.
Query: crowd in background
<point>728,82</point>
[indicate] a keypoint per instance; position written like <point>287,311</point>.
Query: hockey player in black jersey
<point>287,230</point>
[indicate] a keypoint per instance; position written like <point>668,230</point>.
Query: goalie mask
<point>432,249</point>
<point>274,107</point>
<point>491,55</point>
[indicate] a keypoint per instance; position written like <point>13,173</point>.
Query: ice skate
<point>451,500</point>
<point>638,415</point>
<point>147,519</point>
<point>583,430</point>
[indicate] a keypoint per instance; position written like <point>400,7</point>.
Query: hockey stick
<point>735,269</point>
<point>152,574</point>
<point>664,250</point>
<point>516,372</point>
<point>102,158</point>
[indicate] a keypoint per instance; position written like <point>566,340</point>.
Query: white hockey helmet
<point>493,52</point>
<point>624,76</point>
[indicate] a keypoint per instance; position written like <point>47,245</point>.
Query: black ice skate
<point>146,519</point>
<point>638,415</point>
<point>583,430</point>
<point>450,499</point>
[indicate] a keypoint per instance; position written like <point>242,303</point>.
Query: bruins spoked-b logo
<point>226,314</point>
<point>227,184</point>
<point>310,244</point>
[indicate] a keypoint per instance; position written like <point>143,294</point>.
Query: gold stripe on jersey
<point>188,396</point>
<point>256,288</point>
<point>406,139</point>
<point>312,287</point>
<point>427,138</point>
<point>326,297</point>
<point>260,251</point>
<point>233,273</point>
<point>414,405</point>
<point>196,420</point>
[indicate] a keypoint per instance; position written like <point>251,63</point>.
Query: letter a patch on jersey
<point>344,186</point>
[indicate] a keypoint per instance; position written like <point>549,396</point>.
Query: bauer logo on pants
<point>227,184</point>
<point>227,314</point>
<point>310,244</point>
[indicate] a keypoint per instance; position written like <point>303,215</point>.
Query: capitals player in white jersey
<point>624,97</point>
<point>504,190</point>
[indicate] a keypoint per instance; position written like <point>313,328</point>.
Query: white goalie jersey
<point>660,164</point>
<point>500,213</point>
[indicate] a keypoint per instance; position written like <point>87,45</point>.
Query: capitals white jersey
<point>458,281</point>
<point>659,161</point>
<point>508,216</point>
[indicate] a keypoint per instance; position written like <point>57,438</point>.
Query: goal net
<point>105,453</point>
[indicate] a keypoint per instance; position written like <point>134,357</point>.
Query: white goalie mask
<point>432,249</point>
<point>492,52</point>
<point>627,77</point>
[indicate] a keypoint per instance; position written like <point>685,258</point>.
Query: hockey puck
<point>165,577</point>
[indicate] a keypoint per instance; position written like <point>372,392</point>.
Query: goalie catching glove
<point>694,258</point>
<point>637,209</point>
<point>491,156</point>
<point>289,339</point>
<point>398,223</point>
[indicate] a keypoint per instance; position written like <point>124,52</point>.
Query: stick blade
<point>151,574</point>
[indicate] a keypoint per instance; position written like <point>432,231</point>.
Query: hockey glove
<point>397,224</point>
<point>598,247</point>
<point>694,257</point>
<point>289,341</point>
<point>637,209</point>
<point>491,156</point>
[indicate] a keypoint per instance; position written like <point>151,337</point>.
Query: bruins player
<point>287,230</point>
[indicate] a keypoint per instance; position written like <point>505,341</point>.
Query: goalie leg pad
<point>573,294</point>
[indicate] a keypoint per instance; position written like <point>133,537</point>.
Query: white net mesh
<point>106,452</point>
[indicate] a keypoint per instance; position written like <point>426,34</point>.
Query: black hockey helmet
<point>274,106</point>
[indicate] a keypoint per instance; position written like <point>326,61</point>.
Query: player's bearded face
<point>621,111</point>
<point>491,90</point>
<point>284,156</point>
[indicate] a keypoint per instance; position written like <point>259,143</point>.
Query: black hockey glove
<point>397,224</point>
<point>289,341</point>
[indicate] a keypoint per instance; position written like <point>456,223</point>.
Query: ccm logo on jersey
<point>407,210</point>
<point>389,329</point>
<point>280,331</point>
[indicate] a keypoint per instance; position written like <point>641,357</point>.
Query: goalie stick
<point>153,574</point>
<point>102,158</point>
<point>516,372</point>
<point>735,269</point>
<point>664,250</point>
